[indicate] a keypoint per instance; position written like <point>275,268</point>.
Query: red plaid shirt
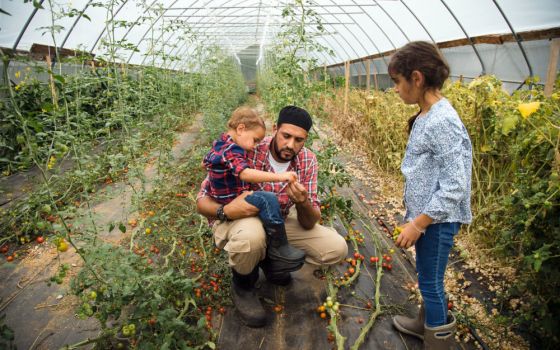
<point>304,165</point>
<point>224,164</point>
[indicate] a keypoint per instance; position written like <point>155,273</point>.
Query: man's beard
<point>284,150</point>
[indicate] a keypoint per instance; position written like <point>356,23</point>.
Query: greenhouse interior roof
<point>508,38</point>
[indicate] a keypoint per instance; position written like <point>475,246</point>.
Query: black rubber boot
<point>283,257</point>
<point>278,278</point>
<point>246,300</point>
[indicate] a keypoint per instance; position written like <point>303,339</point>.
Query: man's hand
<point>239,208</point>
<point>408,236</point>
<point>296,192</point>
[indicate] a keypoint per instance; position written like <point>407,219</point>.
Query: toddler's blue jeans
<point>269,208</point>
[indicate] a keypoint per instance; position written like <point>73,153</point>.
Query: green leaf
<point>509,124</point>
<point>122,227</point>
<point>537,264</point>
<point>211,345</point>
<point>111,227</point>
<point>37,5</point>
<point>59,78</point>
<point>201,322</point>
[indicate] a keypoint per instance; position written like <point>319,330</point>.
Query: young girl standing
<point>437,171</point>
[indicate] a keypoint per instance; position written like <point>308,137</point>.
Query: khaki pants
<point>245,242</point>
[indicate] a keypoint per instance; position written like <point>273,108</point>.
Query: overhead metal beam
<point>245,24</point>
<point>262,7</point>
<point>74,24</point>
<point>26,25</point>
<point>252,15</point>
<point>467,36</point>
<point>418,20</point>
<point>517,38</point>
<point>392,20</point>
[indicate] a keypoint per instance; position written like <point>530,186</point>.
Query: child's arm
<point>256,176</point>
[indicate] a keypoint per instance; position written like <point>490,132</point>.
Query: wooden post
<point>368,83</point>
<point>347,85</point>
<point>375,77</point>
<point>325,85</point>
<point>358,67</point>
<point>552,63</point>
<point>51,81</point>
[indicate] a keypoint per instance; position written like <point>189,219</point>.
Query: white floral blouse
<point>437,167</point>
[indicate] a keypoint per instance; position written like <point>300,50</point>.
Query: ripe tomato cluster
<point>4,249</point>
<point>209,312</point>
<point>356,234</point>
<point>386,262</point>
<point>329,304</point>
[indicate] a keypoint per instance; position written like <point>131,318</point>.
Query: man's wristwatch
<point>220,214</point>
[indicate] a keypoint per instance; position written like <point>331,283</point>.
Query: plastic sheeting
<point>354,29</point>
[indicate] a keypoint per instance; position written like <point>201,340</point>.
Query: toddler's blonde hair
<point>247,116</point>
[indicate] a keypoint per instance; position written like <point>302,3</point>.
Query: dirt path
<point>42,316</point>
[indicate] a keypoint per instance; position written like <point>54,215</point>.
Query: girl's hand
<point>408,236</point>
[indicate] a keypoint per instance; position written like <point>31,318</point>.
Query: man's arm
<point>236,209</point>
<point>307,215</point>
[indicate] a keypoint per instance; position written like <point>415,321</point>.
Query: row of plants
<point>103,125</point>
<point>516,186</point>
<point>83,130</point>
<point>161,288</point>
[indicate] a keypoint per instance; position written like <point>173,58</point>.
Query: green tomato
<point>46,209</point>
<point>126,331</point>
<point>93,295</point>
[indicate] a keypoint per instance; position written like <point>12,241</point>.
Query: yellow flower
<point>18,73</point>
<point>526,109</point>
<point>17,87</point>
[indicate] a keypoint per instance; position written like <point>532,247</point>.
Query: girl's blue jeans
<point>432,253</point>
<point>269,208</point>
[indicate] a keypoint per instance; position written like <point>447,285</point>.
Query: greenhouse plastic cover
<point>353,29</point>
